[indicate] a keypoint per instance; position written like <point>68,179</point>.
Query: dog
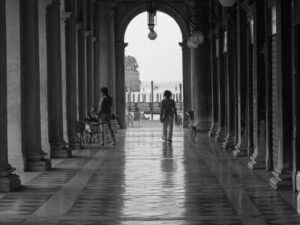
<point>191,126</point>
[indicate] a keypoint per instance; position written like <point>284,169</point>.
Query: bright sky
<point>159,60</point>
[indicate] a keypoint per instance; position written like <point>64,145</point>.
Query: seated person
<point>92,116</point>
<point>91,119</point>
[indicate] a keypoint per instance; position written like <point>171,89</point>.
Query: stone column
<point>296,65</point>
<point>214,74</point>
<point>257,159</point>
<point>30,89</point>
<point>54,70</point>
<point>230,84</point>
<point>90,71</point>
<point>15,153</point>
<point>96,71</point>
<point>8,181</point>
<point>220,137</point>
<point>82,79</point>
<point>71,80</point>
<point>63,16</point>
<point>214,87</point>
<point>103,33</point>
<point>186,65</point>
<point>283,157</point>
<point>241,81</point>
<point>201,70</point>
<point>120,83</point>
<point>42,4</point>
<point>112,71</point>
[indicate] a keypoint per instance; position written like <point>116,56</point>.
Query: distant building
<point>132,75</point>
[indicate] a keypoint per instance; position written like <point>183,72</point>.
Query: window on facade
<point>225,49</point>
<point>251,23</point>
<point>217,47</point>
<point>273,20</point>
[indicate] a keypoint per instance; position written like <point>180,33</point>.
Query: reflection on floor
<point>143,181</point>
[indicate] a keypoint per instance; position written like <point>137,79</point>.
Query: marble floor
<point>142,181</point>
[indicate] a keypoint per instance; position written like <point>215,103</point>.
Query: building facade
<point>132,75</point>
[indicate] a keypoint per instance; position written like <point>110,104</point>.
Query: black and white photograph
<point>149,112</point>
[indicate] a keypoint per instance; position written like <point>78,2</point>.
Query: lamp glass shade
<point>152,35</point>
<point>227,3</point>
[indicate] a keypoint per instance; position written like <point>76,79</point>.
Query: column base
<point>60,151</point>
<point>229,143</point>
<point>281,181</point>
<point>214,130</point>
<point>256,163</point>
<point>38,165</point>
<point>221,136</point>
<point>203,127</point>
<point>61,154</point>
<point>75,145</point>
<point>10,183</point>
<point>240,151</point>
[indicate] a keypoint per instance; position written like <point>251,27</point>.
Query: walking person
<point>168,112</point>
<point>104,114</point>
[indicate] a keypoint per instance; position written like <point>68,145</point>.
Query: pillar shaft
<point>296,65</point>
<point>43,75</point>
<point>31,123</point>
<point>64,14</point>
<point>105,45</point>
<point>8,181</point>
<point>220,137</point>
<point>14,83</point>
<point>96,72</point>
<point>202,81</point>
<point>90,71</point>
<point>120,83</point>
<point>214,75</point>
<point>82,79</point>
<point>241,82</point>
<point>257,159</point>
<point>214,87</point>
<point>54,71</point>
<point>186,62</point>
<point>201,70</point>
<point>71,79</point>
<point>282,152</point>
<point>230,85</point>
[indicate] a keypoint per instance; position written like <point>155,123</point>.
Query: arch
<point>162,7</point>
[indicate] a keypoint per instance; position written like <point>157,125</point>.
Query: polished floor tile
<point>143,181</point>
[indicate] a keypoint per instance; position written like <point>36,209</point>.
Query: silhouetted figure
<point>167,113</point>
<point>104,113</point>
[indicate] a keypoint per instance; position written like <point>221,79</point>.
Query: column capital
<point>88,33</point>
<point>121,45</point>
<point>79,25</point>
<point>65,15</point>
<point>6,171</point>
<point>183,45</point>
<point>53,3</point>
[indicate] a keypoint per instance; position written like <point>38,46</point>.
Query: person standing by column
<point>104,114</point>
<point>167,113</point>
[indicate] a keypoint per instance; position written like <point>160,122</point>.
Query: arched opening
<point>151,67</point>
<point>178,14</point>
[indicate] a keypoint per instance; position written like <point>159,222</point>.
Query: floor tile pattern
<point>143,181</point>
